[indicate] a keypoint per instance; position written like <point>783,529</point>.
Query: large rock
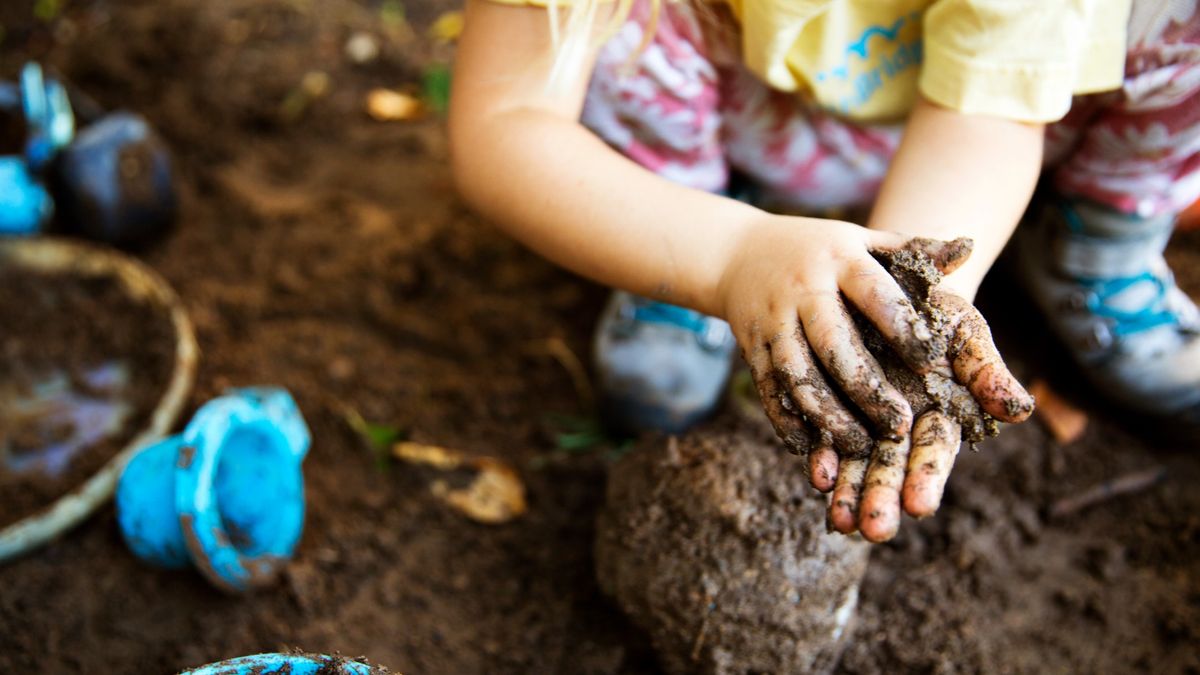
<point>716,546</point>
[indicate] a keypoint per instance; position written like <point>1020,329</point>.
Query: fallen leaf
<point>436,87</point>
<point>1064,421</point>
<point>378,437</point>
<point>387,105</point>
<point>392,14</point>
<point>428,455</point>
<point>447,27</point>
<point>495,495</point>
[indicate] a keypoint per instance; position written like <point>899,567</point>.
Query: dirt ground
<point>320,250</point>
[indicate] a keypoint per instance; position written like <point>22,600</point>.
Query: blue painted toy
<point>226,495</point>
<point>25,205</point>
<point>292,664</point>
<point>114,182</point>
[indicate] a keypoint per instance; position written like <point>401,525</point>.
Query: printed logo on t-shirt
<point>879,56</point>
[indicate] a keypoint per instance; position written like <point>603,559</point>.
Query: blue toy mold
<point>292,664</point>
<point>226,495</point>
<point>25,204</point>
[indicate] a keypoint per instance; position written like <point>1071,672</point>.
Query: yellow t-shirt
<point>866,59</point>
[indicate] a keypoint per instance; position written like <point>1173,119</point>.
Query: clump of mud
<point>916,273</point>
<point>715,546</point>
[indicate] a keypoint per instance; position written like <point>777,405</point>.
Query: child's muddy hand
<point>787,293</point>
<point>910,474</point>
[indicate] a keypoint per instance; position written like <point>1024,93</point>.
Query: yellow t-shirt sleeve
<point>1021,59</point>
<point>535,3</point>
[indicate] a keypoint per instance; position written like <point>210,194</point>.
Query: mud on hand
<point>947,371</point>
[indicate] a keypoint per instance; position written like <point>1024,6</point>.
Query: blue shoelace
<point>1126,322</point>
<point>673,315</point>
<point>1154,314</point>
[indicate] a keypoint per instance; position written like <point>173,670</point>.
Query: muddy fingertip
<point>880,523</point>
<point>843,515</point>
<point>921,504</point>
<point>1007,401</point>
<point>823,469</point>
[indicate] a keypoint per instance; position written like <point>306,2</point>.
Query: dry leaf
<point>428,455</point>
<point>387,105</point>
<point>447,27</point>
<point>495,495</point>
<point>1065,422</point>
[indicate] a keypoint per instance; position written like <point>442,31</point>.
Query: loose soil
<point>324,252</point>
<point>71,325</point>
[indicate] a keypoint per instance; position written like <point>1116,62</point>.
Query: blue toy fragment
<point>24,203</point>
<point>226,495</point>
<point>292,664</point>
<point>49,122</point>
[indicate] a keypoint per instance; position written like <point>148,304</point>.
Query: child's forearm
<point>960,175</point>
<point>558,189</point>
<point>522,159</point>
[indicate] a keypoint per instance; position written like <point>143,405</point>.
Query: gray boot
<point>660,367</point>
<point>1100,279</point>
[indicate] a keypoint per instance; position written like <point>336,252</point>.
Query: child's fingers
<point>947,256</point>
<point>935,443</point>
<point>879,517</point>
<point>790,428</point>
<point>838,345</point>
<point>823,467</point>
<point>877,295</point>
<point>796,371</point>
<point>979,367</point>
<point>843,507</point>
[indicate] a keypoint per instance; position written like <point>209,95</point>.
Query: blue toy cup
<point>25,205</point>
<point>226,495</point>
<point>292,664</point>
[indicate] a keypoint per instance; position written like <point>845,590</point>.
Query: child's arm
<point>954,175</point>
<point>960,175</point>
<point>522,158</point>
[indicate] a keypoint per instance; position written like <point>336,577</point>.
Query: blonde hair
<point>575,36</point>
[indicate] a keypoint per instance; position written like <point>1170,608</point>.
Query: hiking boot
<point>661,367</point>
<point>1100,279</point>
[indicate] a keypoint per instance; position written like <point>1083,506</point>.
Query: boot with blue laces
<point>1100,279</point>
<point>660,367</point>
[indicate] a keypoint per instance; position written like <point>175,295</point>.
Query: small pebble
<point>362,48</point>
<point>341,369</point>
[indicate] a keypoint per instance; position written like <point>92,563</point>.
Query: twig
<point>703,632</point>
<point>556,348</point>
<point>1122,485</point>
